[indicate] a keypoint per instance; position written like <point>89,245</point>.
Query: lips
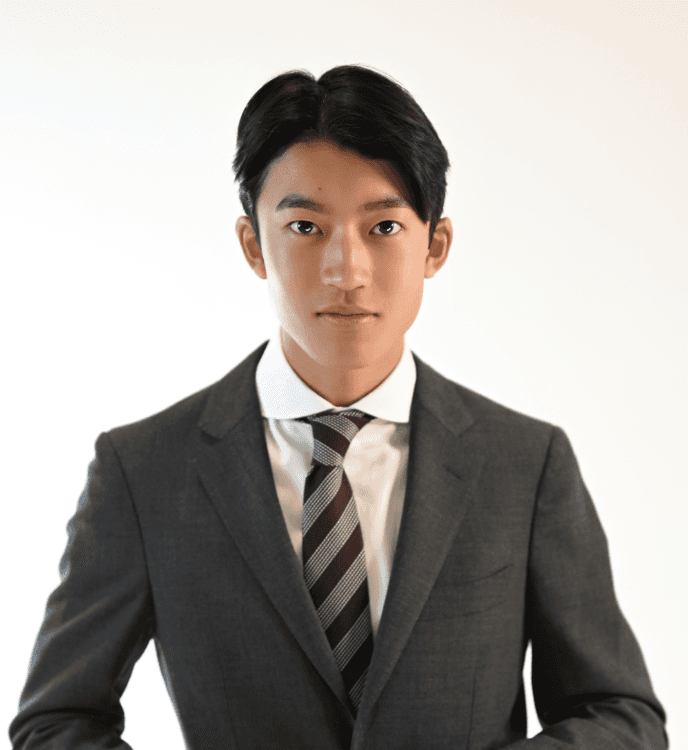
<point>345,311</point>
<point>350,321</point>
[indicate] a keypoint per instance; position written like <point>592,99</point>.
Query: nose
<point>346,262</point>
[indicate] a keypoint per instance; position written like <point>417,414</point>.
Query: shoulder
<point>518,450</point>
<point>160,433</point>
<point>518,443</point>
<point>515,447</point>
<point>202,416</point>
<point>493,415</point>
<point>484,417</point>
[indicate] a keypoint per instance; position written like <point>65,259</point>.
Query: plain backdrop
<point>124,288</point>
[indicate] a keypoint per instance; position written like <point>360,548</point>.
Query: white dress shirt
<point>376,461</point>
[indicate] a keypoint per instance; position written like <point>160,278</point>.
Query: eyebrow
<point>296,200</point>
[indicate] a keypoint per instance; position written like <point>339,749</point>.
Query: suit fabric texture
<point>179,538</point>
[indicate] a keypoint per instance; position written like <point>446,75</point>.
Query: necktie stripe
<point>316,563</point>
<point>358,662</point>
<point>353,640</point>
<point>343,425</point>
<point>346,619</point>
<point>354,415</point>
<point>330,436</point>
<point>325,454</point>
<point>318,497</point>
<point>338,568</point>
<point>333,553</point>
<point>357,690</point>
<point>347,586</point>
<point>319,527</point>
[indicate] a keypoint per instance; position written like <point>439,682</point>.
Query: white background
<point>124,288</point>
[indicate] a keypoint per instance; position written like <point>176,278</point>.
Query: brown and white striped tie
<point>333,557</point>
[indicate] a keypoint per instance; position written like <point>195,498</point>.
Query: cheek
<point>287,280</point>
<point>403,282</point>
<point>409,304</point>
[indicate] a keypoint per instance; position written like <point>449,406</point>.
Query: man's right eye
<point>307,229</point>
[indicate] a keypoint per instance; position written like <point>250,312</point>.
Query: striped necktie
<point>333,557</point>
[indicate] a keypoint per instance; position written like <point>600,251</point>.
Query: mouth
<point>347,319</point>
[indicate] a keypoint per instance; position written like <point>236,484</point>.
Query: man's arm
<point>98,622</point>
<point>590,684</point>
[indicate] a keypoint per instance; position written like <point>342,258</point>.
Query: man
<point>334,546</point>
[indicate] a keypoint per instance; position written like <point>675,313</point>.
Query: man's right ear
<point>249,244</point>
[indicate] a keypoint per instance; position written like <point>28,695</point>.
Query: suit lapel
<point>444,466</point>
<point>443,469</point>
<point>235,470</point>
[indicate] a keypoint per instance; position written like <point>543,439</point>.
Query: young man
<point>334,546</point>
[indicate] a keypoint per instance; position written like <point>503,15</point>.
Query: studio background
<point>124,288</point>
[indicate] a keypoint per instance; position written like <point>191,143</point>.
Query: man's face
<point>344,254</point>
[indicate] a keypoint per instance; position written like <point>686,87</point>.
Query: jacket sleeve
<point>590,684</point>
<point>97,624</point>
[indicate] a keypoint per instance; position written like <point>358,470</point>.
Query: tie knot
<point>332,433</point>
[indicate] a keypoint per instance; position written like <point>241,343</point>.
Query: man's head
<point>355,107</point>
<point>312,157</point>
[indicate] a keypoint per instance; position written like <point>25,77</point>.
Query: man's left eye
<point>388,225</point>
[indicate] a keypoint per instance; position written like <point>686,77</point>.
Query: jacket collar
<point>444,465</point>
<point>235,396</point>
<point>284,395</point>
<point>232,397</point>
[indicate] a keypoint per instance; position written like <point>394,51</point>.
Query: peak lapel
<point>443,469</point>
<point>236,472</point>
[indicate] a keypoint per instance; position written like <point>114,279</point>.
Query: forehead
<point>326,172</point>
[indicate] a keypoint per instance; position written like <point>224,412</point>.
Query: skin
<point>343,255</point>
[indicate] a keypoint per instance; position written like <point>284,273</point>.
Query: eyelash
<point>305,221</point>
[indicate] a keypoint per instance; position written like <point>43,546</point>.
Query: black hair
<point>358,109</point>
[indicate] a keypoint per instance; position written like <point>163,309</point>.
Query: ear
<point>249,244</point>
<point>439,247</point>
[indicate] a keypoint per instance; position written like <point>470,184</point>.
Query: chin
<point>346,356</point>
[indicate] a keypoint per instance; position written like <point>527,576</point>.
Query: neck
<point>341,386</point>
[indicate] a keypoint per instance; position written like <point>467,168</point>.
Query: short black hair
<point>354,106</point>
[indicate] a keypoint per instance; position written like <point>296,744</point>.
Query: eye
<point>385,225</point>
<point>310,226</point>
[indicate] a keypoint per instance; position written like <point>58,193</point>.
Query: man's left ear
<point>439,247</point>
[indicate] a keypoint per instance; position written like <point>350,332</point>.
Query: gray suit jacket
<point>179,537</point>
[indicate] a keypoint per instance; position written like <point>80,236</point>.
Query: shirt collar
<point>283,395</point>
